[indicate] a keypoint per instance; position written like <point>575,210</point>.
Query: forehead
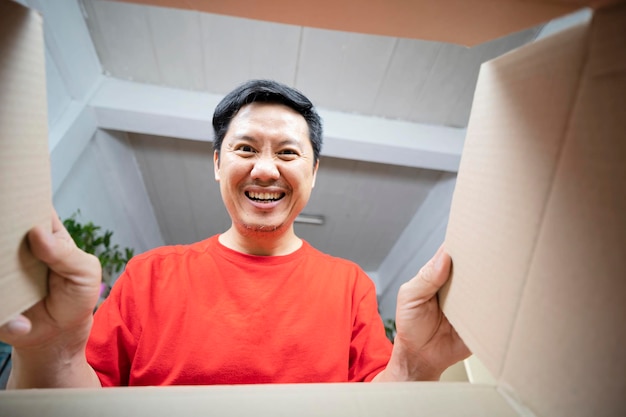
<point>268,118</point>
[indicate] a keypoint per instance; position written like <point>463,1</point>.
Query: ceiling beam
<point>70,136</point>
<point>148,109</point>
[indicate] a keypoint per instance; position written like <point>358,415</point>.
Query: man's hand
<point>49,338</point>
<point>426,344</point>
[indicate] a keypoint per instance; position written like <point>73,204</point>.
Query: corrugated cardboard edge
<point>474,22</point>
<point>25,183</point>
<point>514,401</point>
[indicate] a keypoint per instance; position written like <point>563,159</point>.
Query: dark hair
<point>266,91</point>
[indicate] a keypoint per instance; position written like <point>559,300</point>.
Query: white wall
<point>105,184</point>
<point>408,254</point>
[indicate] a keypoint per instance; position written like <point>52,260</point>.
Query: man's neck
<point>275,243</point>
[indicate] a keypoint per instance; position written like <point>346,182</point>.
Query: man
<point>255,304</point>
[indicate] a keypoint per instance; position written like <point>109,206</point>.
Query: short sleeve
<point>370,349</point>
<point>112,342</point>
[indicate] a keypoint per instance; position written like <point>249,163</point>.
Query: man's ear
<point>317,165</point>
<point>216,165</point>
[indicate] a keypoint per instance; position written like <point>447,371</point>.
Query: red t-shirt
<point>205,314</point>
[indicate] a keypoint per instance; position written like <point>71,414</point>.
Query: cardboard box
<point>25,186</point>
<point>537,234</point>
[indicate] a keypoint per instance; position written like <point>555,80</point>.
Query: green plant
<point>390,329</point>
<point>92,239</point>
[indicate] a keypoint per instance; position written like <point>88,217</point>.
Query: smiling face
<point>265,168</point>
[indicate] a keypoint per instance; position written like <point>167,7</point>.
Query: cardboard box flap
<point>537,230</point>
<point>463,22</point>
<point>25,170</point>
<point>570,334</point>
<point>428,399</point>
<point>520,111</point>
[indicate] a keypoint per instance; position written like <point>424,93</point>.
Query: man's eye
<point>245,148</point>
<point>288,152</point>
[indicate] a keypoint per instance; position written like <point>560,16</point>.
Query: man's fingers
<point>423,330</point>
<point>57,226</point>
<point>47,246</point>
<point>432,276</point>
<point>438,269</point>
<point>60,252</point>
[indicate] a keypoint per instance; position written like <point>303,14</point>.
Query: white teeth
<point>264,196</point>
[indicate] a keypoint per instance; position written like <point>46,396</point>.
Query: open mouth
<point>264,197</point>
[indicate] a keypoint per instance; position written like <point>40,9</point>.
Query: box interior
<point>536,233</point>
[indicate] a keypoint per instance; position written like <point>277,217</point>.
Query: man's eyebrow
<point>289,142</point>
<point>252,139</point>
<point>245,138</point>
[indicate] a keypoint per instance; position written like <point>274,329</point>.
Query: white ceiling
<point>395,111</point>
<point>407,79</point>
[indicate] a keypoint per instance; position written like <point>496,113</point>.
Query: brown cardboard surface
<point>538,225</point>
<point>473,21</point>
<point>520,110</point>
<point>24,171</point>
<point>570,335</point>
<point>342,400</point>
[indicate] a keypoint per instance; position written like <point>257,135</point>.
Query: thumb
<point>431,276</point>
<point>15,327</point>
<point>57,249</point>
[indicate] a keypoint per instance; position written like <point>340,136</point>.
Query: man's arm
<point>49,339</point>
<point>426,344</point>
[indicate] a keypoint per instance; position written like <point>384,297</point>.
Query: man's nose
<point>265,169</point>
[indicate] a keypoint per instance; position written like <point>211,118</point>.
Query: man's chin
<point>263,228</point>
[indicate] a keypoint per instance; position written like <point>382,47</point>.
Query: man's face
<point>265,168</point>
